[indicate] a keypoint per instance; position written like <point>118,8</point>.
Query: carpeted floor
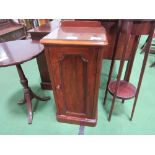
<point>13,118</point>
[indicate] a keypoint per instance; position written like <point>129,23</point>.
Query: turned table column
<point>28,93</point>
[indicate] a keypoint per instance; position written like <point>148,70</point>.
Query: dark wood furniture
<point>111,28</point>
<point>10,30</point>
<point>143,47</point>
<point>139,27</point>
<point>122,89</point>
<point>16,53</point>
<point>74,57</point>
<point>152,50</point>
<point>37,34</point>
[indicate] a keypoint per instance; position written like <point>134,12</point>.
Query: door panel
<point>74,72</point>
<point>74,86</point>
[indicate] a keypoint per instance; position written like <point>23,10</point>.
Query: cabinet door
<point>73,74</point>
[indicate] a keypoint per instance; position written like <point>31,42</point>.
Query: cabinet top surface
<point>70,35</point>
<point>19,51</point>
<point>46,28</point>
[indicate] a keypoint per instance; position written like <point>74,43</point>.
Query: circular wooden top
<point>19,51</point>
<point>126,90</point>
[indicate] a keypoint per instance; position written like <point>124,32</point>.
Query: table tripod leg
<point>39,98</point>
<point>28,94</point>
<point>33,95</point>
<point>29,107</point>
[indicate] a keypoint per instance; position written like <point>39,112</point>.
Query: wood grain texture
<point>140,27</point>
<point>125,91</point>
<point>75,73</point>
<point>74,58</point>
<point>111,28</point>
<point>88,36</point>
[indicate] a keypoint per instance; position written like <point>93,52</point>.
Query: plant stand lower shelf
<point>125,90</point>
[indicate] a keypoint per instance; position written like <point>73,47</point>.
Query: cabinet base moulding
<point>77,120</point>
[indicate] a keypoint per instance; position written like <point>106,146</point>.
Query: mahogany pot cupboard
<point>74,58</point>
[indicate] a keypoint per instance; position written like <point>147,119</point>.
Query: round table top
<point>18,51</point>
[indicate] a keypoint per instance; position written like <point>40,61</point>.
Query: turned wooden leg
<point>28,93</point>
<point>112,107</point>
<point>29,106</point>
<point>131,60</point>
<point>148,45</point>
<point>112,62</point>
<point>122,61</point>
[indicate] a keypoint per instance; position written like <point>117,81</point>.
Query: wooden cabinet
<point>75,74</point>
<point>74,58</point>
